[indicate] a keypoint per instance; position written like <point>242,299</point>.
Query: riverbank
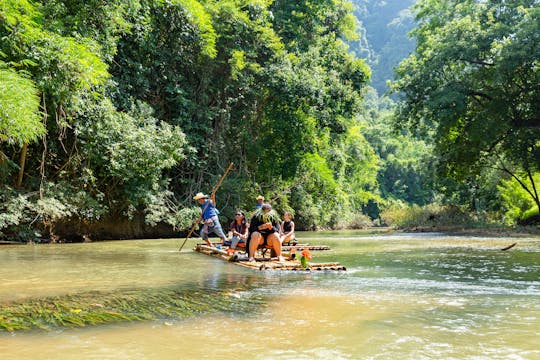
<point>474,231</point>
<point>135,232</point>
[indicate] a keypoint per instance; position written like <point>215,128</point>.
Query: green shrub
<point>432,215</point>
<point>353,221</point>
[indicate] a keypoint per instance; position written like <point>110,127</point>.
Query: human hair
<point>244,221</point>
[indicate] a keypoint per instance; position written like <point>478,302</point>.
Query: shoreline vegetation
<point>488,231</point>
<point>409,218</point>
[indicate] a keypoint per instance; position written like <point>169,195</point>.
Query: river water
<point>404,296</point>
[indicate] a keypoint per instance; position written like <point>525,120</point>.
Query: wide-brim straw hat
<point>200,196</point>
<point>260,197</point>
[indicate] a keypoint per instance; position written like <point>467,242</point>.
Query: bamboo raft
<point>262,263</point>
<point>303,246</point>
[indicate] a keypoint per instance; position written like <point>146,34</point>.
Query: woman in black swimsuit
<point>286,230</point>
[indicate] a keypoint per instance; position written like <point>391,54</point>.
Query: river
<point>404,296</point>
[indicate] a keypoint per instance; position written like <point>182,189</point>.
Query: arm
<point>281,228</point>
<point>245,234</point>
<point>276,227</point>
<point>265,226</point>
<point>213,199</point>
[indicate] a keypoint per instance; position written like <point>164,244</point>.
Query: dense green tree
<point>301,23</point>
<point>93,160</point>
<point>406,163</point>
<point>518,204</point>
<point>474,86</point>
<point>259,100</point>
<point>20,121</point>
<point>128,153</point>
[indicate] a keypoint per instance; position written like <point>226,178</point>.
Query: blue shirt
<point>210,210</point>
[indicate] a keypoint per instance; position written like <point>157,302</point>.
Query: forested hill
<point>384,28</point>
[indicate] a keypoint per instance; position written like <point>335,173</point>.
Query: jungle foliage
<point>129,107</point>
<point>473,90</point>
<point>115,110</point>
<point>384,36</point>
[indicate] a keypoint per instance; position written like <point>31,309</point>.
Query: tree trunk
<point>3,161</point>
<point>22,162</point>
<point>534,192</point>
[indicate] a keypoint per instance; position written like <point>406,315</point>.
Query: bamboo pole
<point>211,196</point>
<point>3,161</point>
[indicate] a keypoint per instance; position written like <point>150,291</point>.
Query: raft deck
<point>261,263</point>
<point>303,246</point>
<point>288,247</point>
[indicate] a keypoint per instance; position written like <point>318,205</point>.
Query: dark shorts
<point>265,238</point>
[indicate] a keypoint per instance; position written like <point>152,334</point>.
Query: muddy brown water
<point>404,296</point>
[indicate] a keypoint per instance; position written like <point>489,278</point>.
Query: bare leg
<point>286,238</point>
<point>256,240</point>
<point>275,242</point>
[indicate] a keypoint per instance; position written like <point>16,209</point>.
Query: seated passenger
<point>264,230</point>
<point>286,230</point>
<point>238,229</point>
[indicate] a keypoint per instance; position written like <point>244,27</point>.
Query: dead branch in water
<point>509,246</point>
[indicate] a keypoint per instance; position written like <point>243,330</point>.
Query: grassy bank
<point>451,219</point>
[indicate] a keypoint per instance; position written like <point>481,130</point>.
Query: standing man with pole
<point>204,204</point>
<point>209,217</point>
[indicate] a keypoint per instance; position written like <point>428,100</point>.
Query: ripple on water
<point>448,285</point>
<point>308,354</point>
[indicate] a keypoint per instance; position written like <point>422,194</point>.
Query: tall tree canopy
<point>474,86</point>
<point>143,102</point>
